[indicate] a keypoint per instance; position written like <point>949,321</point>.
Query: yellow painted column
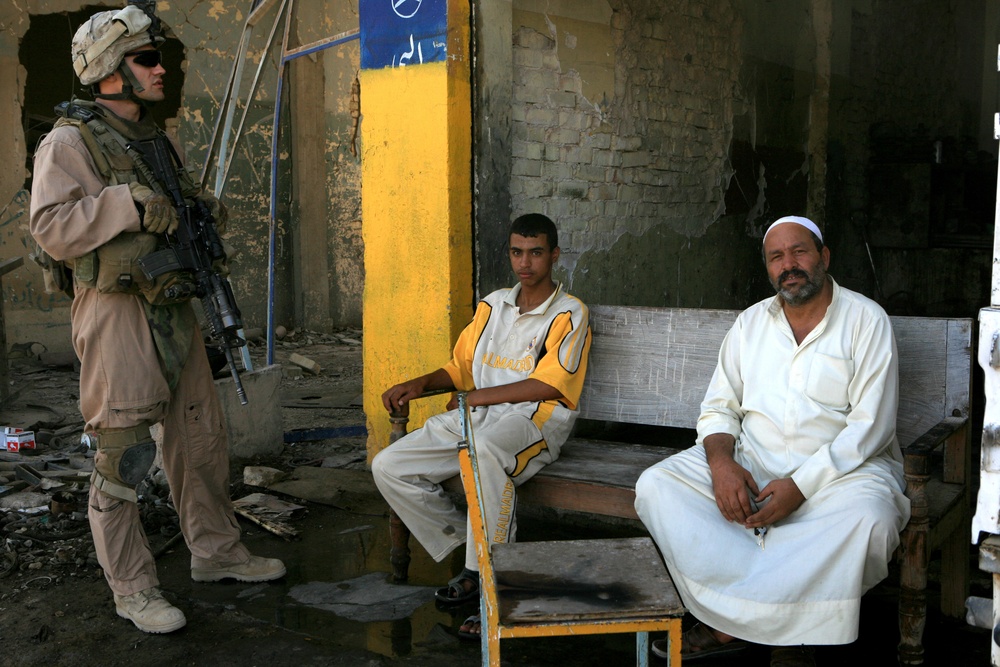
<point>416,136</point>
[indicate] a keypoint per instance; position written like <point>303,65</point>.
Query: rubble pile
<point>44,531</point>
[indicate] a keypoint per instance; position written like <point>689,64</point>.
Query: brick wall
<point>654,150</point>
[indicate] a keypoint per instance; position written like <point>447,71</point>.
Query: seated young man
<point>522,361</point>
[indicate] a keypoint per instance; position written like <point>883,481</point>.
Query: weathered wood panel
<point>653,365</point>
<point>606,463</point>
<point>934,372</point>
<point>580,580</point>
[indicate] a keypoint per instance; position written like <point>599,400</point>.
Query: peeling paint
<point>218,9</point>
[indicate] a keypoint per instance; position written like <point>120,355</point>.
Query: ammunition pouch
<point>124,456</point>
<point>58,275</point>
<point>119,270</point>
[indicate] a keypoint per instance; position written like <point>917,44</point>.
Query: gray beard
<point>807,292</point>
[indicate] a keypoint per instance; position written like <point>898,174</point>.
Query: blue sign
<point>397,33</point>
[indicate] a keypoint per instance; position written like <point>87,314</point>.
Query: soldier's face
<point>148,71</point>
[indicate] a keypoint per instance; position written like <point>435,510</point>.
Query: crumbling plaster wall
<point>22,294</point>
<point>326,214</point>
<point>343,188</point>
<point>660,135</point>
<point>210,31</point>
<point>624,116</point>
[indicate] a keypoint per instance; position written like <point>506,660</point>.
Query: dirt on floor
<point>56,607</point>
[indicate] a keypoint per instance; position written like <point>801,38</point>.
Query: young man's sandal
<point>697,643</point>
<point>472,629</point>
<point>456,592</point>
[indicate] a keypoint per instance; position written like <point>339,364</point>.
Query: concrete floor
<point>337,603</point>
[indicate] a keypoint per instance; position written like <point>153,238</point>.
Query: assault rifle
<point>194,248</point>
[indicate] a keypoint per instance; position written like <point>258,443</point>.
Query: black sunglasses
<point>150,58</point>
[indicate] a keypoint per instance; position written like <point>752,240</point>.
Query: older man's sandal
<point>697,643</point>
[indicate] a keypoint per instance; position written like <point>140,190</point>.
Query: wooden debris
<point>268,512</point>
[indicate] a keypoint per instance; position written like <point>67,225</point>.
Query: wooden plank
<point>922,350</point>
<point>587,497</point>
<point>943,499</point>
<point>607,463</point>
<point>653,365</point>
<point>960,359</point>
<point>925,353</point>
<point>579,580</point>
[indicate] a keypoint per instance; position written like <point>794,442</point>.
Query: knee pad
<point>124,456</point>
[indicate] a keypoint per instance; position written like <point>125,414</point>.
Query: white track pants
<point>409,474</point>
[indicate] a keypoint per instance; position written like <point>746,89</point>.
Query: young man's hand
<point>398,396</point>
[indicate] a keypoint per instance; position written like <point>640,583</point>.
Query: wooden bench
<point>651,366</point>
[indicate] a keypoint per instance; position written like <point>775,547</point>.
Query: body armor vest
<point>113,267</point>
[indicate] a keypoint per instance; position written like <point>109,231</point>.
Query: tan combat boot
<point>150,612</point>
<point>255,568</point>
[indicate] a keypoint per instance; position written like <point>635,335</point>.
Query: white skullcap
<point>798,220</point>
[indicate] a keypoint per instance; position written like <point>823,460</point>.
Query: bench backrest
<point>653,365</point>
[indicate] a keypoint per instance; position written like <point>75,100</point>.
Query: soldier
<point>97,209</point>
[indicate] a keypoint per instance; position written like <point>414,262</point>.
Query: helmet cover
<point>103,40</point>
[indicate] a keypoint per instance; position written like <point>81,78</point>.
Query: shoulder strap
<point>93,146</point>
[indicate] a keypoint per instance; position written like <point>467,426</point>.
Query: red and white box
<point>16,439</point>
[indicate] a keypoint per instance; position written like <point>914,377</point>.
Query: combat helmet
<point>100,44</point>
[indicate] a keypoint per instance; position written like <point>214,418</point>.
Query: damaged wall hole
<point>44,54</point>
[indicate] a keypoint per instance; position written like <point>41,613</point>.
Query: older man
<point>789,507</point>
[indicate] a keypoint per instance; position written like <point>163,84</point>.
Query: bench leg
<point>399,553</point>
<point>955,571</point>
<point>913,595</point>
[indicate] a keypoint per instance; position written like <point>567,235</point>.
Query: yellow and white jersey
<point>550,343</point>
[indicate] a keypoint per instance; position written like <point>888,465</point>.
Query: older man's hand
<point>733,485</point>
<point>785,497</point>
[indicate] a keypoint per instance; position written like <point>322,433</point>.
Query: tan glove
<point>217,209</point>
<point>156,214</point>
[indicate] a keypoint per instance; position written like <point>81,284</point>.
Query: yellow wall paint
<point>417,229</point>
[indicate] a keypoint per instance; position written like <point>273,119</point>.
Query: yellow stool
<point>578,587</point>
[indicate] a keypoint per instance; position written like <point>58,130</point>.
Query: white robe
<point>823,413</point>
